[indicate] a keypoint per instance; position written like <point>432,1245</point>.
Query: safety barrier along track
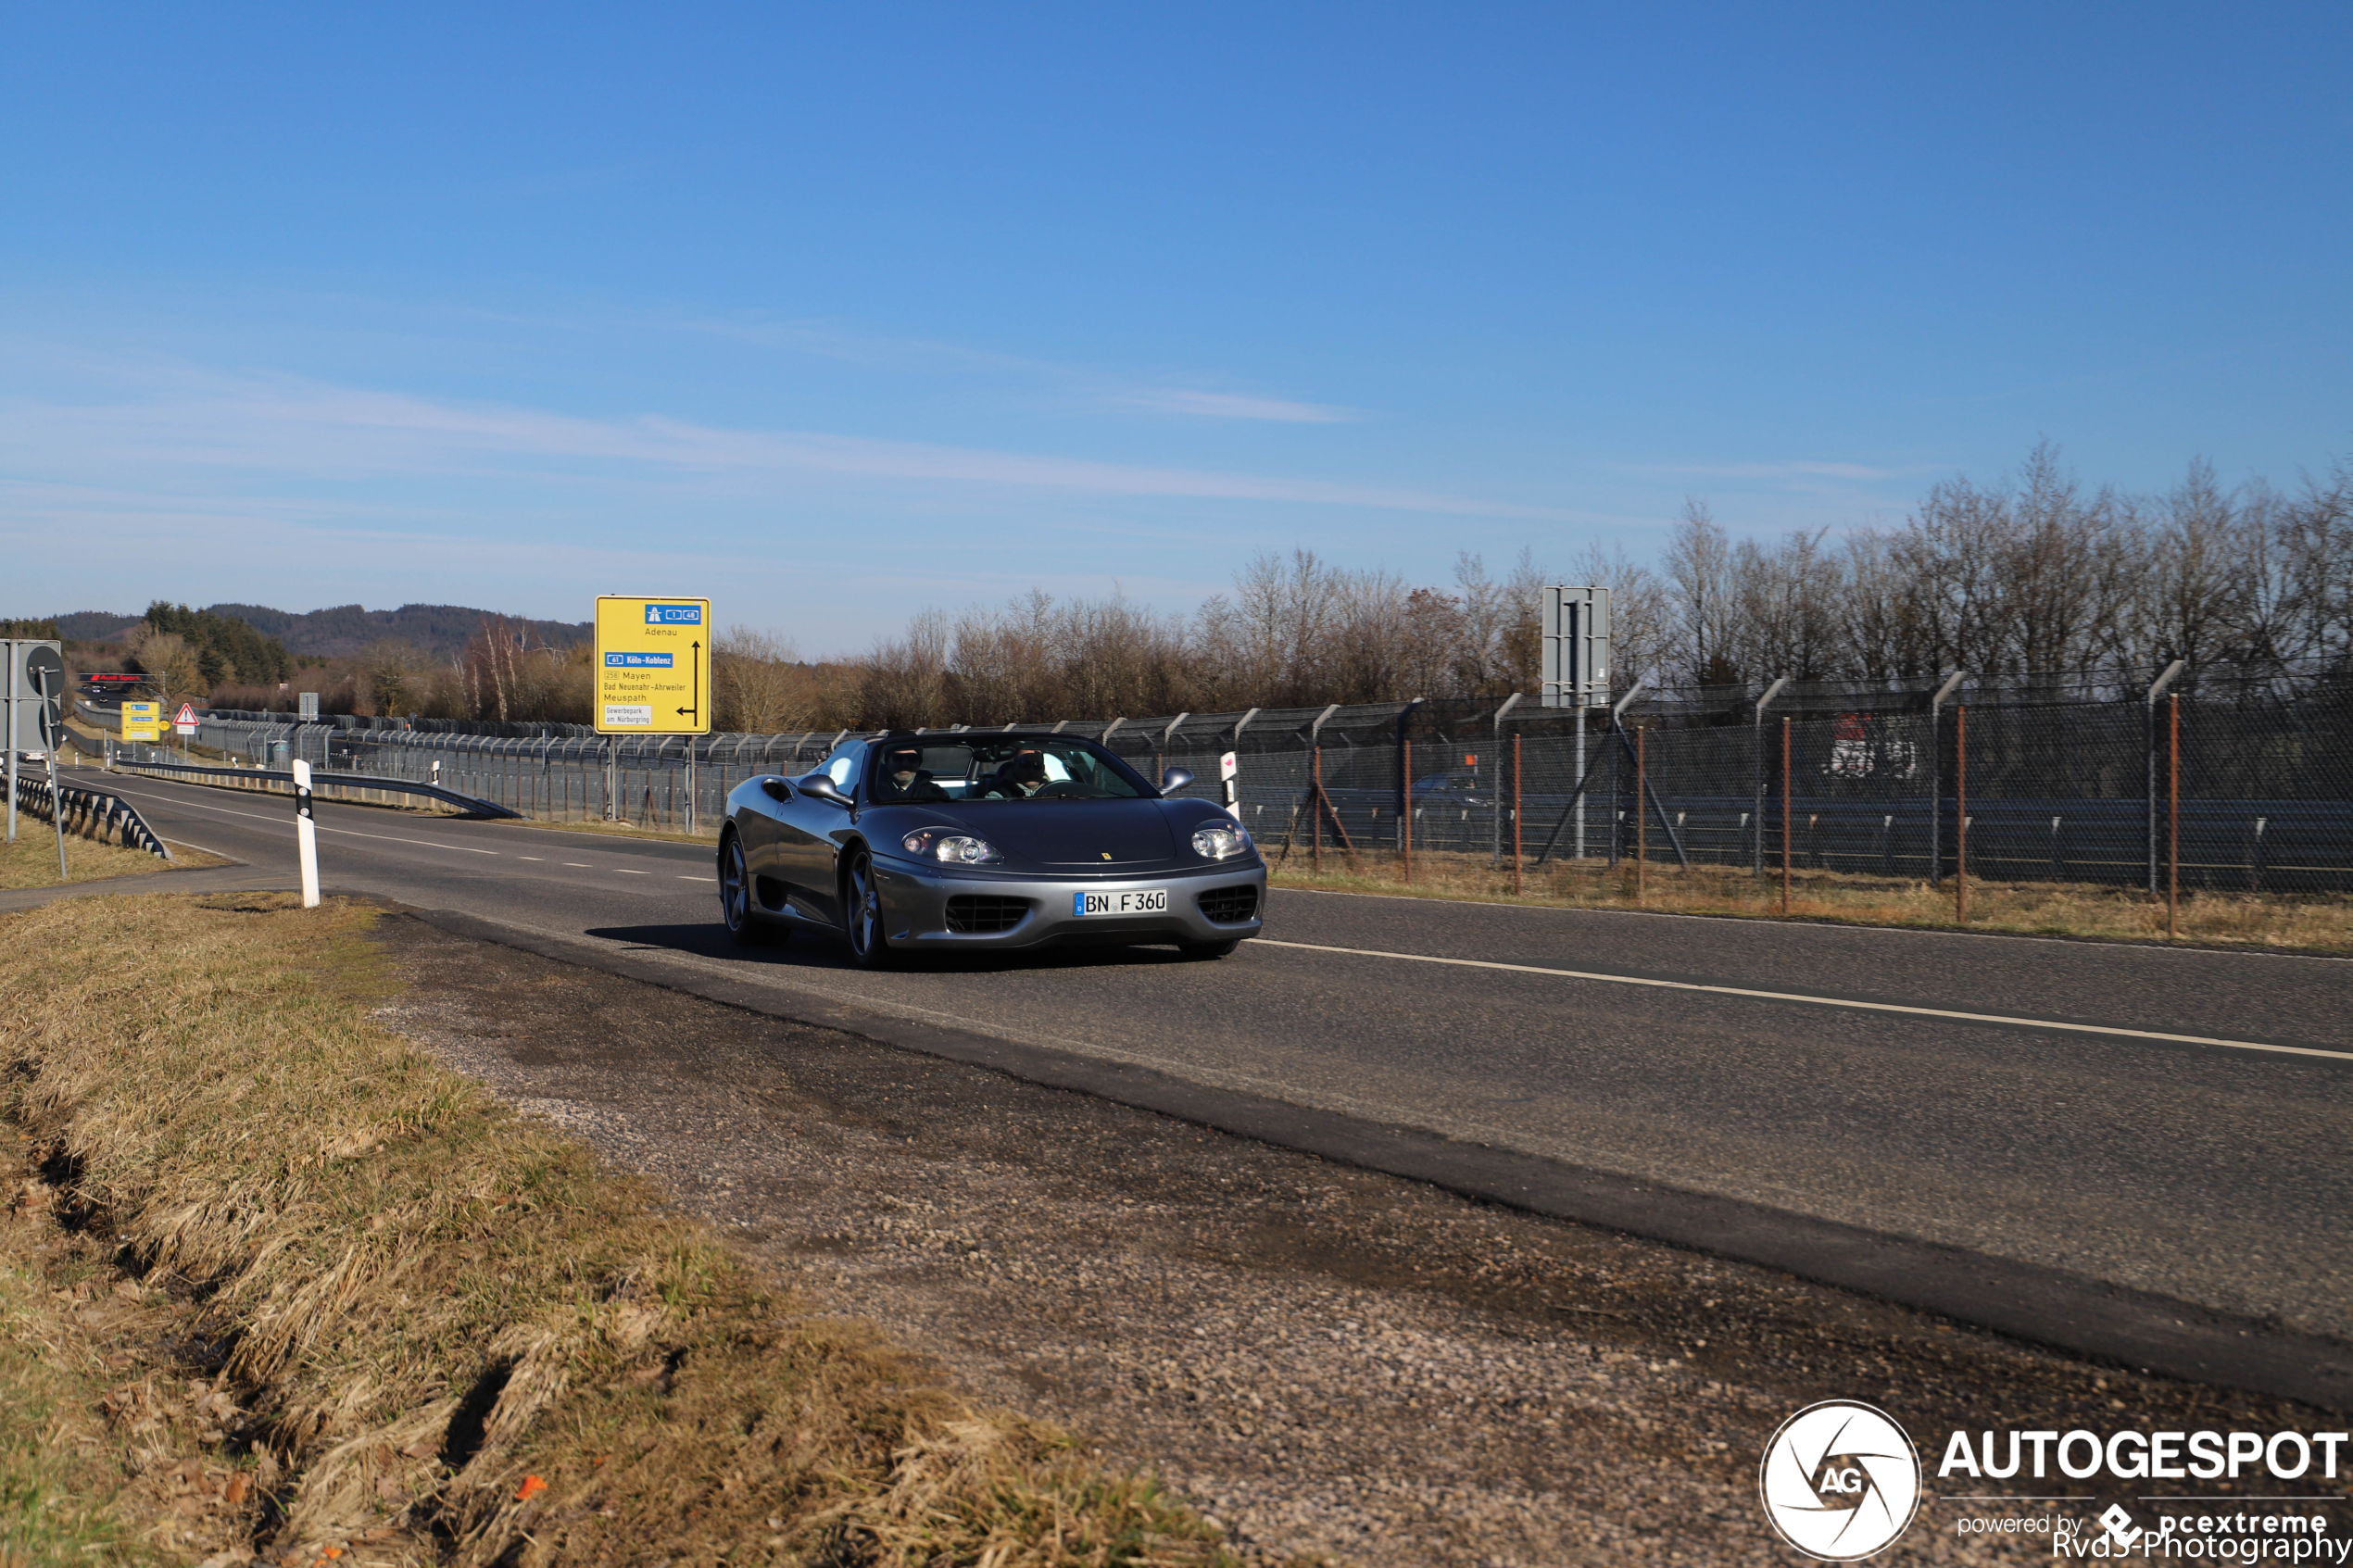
<point>346,786</point>
<point>94,813</point>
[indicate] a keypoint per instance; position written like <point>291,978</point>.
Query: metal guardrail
<point>321,781</point>
<point>91,813</point>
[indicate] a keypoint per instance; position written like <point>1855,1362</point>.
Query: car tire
<point>1208,949</point>
<point>744,928</point>
<point>863,913</point>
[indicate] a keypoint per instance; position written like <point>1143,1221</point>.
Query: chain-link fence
<point>2039,780</point>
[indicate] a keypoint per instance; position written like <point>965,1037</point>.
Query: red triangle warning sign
<point>187,714</point>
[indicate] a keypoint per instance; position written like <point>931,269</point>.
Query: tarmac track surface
<point>2128,1118</point>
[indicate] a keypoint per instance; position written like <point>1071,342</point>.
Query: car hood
<point>1071,833</point>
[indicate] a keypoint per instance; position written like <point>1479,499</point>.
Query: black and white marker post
<point>305,835</point>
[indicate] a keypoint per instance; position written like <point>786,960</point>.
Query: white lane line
<point>531,857</point>
<point>288,825</point>
<point>685,878</point>
<point>626,872</point>
<point>1815,1001</point>
<point>577,865</point>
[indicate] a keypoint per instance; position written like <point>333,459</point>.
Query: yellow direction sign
<point>143,721</point>
<point>653,666</point>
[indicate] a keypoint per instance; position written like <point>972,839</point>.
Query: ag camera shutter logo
<point>1840,1480</point>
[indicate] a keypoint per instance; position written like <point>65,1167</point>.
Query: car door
<point>756,825</point>
<point>808,833</point>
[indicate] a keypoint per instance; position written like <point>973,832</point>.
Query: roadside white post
<point>57,813</point>
<point>305,833</point>
<point>1226,769</point>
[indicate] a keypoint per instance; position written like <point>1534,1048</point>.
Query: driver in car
<point>908,779</point>
<point>1021,778</point>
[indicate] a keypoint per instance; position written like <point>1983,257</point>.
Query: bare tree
<point>1700,608</point>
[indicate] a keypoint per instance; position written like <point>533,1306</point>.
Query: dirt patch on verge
<point>1331,1362</point>
<point>312,1297</point>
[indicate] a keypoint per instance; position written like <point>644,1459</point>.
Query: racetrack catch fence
<point>2067,780</point>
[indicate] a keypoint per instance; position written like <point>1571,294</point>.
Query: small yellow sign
<point>143,721</point>
<point>653,666</point>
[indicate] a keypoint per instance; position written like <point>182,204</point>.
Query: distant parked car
<point>1006,840</point>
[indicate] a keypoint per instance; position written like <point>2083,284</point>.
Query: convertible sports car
<point>946,841</point>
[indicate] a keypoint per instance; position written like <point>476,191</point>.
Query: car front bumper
<point>919,909</point>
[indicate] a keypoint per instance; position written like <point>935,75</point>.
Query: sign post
<point>305,833</point>
<point>652,675</point>
<point>57,813</point>
<point>1576,669</point>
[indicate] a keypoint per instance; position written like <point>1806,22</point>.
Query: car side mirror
<point>1175,779</point>
<point>821,786</point>
<point>776,789</point>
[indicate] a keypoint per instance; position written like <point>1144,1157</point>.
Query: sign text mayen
<point>653,666</point>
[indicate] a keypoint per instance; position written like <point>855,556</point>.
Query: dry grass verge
<point>422,1330</point>
<point>32,860</point>
<point>2320,923</point>
<point>60,1482</point>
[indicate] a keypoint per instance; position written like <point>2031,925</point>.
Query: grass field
<point>326,1302</point>
<point>2323,924</point>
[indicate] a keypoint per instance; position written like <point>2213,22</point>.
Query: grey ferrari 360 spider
<point>948,841</point>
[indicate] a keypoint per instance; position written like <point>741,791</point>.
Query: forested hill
<point>342,630</point>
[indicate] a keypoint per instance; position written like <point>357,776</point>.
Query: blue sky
<point>833,312</point>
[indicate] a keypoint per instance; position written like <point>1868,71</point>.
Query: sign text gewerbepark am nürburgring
<point>652,666</point>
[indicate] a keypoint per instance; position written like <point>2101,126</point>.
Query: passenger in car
<point>905,778</point>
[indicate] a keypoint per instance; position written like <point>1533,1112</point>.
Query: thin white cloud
<point>287,428</point>
<point>1862,472</point>
<point>1236,405</point>
<point>1101,389</point>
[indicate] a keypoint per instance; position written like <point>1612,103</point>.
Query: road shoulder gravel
<point>1333,1362</point>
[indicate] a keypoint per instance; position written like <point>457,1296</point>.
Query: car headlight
<point>1220,841</point>
<point>956,848</point>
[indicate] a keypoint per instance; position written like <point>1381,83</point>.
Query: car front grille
<point>1228,905</point>
<point>979,913</point>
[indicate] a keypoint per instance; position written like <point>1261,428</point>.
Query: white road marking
<point>683,877</point>
<point>626,872</point>
<point>531,857</point>
<point>1815,1001</point>
<point>577,865</point>
<point>287,823</point>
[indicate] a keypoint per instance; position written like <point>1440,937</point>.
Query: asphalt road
<point>2006,1095</point>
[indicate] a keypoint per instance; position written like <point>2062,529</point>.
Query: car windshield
<point>1016,768</point>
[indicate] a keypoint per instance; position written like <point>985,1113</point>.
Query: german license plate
<point>1150,901</point>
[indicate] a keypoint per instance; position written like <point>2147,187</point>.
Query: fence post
<point>2148,728</point>
<point>1642,822</point>
<point>2173,819</point>
<point>1760,826</point>
<point>1405,817</point>
<point>1756,759</point>
<point>1404,770</point>
<point>1936,782</point>
<point>1960,814</point>
<point>1515,839</point>
<point>1495,795</point>
<point>1316,814</point>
